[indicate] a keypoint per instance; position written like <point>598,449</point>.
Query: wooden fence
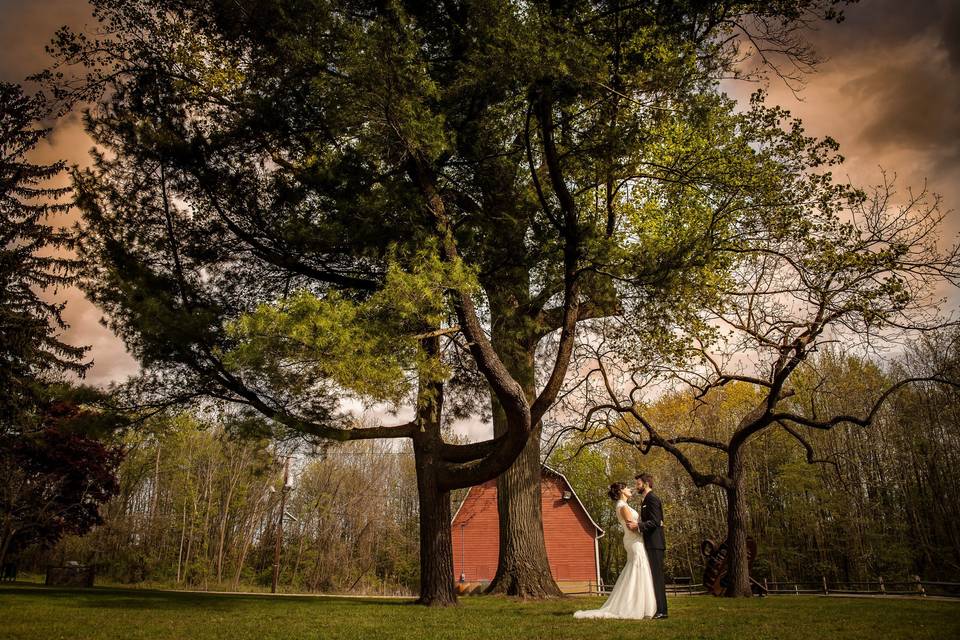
<point>914,586</point>
<point>675,589</point>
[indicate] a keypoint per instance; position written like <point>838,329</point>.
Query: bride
<point>632,596</point>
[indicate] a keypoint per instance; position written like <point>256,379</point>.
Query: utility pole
<point>283,506</point>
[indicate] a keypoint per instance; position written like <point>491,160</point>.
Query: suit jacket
<point>651,518</point>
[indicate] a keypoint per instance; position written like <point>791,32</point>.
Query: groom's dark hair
<point>646,478</point>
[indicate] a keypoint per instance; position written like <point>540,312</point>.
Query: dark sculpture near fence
<point>715,571</point>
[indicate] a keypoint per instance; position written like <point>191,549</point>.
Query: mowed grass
<point>29,612</point>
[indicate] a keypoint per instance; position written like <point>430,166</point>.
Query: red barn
<point>570,534</point>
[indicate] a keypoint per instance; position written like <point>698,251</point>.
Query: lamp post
<point>283,505</point>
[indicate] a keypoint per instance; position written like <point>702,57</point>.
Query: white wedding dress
<point>632,596</point>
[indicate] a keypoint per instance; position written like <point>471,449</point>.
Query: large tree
<point>301,194</point>
<point>861,269</point>
<point>31,259</point>
<point>627,117</point>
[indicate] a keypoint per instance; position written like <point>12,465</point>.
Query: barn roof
<point>546,469</point>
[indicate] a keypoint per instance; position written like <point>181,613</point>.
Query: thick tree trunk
<point>523,568</point>
<point>738,562</point>
<point>436,540</point>
<point>436,544</point>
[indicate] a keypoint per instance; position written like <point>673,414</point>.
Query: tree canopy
<point>255,153</point>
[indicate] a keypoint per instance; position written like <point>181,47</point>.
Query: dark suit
<point>651,519</point>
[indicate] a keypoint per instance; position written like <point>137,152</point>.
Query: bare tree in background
<point>865,275</point>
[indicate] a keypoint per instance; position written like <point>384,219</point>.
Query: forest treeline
<point>877,501</point>
<point>198,507</point>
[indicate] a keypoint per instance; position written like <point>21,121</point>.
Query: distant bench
<point>71,575</point>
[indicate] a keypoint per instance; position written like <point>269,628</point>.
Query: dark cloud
<point>889,92</point>
<point>901,65</point>
<point>887,24</point>
<point>951,33</point>
<point>916,103</point>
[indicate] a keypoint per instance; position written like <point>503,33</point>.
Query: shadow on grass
<point>119,598</point>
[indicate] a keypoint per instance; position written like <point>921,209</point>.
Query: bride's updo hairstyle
<point>615,490</point>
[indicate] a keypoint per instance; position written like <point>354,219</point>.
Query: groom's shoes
<point>660,616</point>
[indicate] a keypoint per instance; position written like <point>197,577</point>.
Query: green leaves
<point>369,347</point>
<point>306,340</point>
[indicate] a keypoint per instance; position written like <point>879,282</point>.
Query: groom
<point>651,525</point>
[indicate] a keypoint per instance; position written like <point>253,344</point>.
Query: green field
<point>28,612</point>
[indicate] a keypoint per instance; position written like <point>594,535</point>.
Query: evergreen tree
<point>31,259</point>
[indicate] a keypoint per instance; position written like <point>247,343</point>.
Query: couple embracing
<point>640,591</point>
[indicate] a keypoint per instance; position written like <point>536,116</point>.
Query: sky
<point>888,90</point>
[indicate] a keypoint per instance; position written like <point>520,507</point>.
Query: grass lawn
<point>28,612</point>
